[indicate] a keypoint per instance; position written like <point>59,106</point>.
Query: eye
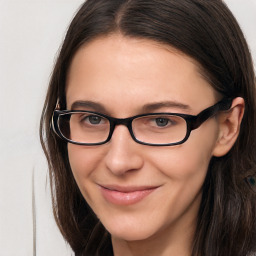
<point>162,122</point>
<point>94,119</point>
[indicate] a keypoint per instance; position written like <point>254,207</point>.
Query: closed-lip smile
<point>125,195</point>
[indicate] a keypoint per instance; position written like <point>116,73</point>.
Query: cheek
<point>189,161</point>
<point>185,173</point>
<point>83,161</point>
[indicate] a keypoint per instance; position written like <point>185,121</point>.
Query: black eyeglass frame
<point>192,121</point>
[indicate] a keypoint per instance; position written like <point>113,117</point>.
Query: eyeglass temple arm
<point>222,105</point>
<point>53,124</point>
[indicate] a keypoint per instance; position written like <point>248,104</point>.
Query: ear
<point>229,126</point>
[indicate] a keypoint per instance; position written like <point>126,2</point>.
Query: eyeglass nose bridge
<point>121,121</point>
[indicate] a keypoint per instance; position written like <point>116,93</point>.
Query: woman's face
<point>137,191</point>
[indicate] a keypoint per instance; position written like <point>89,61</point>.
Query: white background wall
<point>30,34</point>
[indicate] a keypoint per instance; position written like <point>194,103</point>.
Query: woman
<point>149,130</point>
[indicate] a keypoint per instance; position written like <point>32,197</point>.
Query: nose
<point>124,154</point>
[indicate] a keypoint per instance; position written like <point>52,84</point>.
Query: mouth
<point>126,195</point>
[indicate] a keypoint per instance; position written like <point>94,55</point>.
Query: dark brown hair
<point>206,31</point>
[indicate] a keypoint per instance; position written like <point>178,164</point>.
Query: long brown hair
<point>206,31</point>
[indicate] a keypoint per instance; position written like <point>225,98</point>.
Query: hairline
<point>203,73</point>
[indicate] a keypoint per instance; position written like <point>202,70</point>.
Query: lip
<point>125,195</point>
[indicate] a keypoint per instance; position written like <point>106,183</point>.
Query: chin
<point>130,236</point>
<point>130,232</point>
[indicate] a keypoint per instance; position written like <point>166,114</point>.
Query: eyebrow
<point>146,108</point>
<point>88,104</point>
<point>166,104</point>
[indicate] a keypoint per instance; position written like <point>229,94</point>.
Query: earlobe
<point>229,127</point>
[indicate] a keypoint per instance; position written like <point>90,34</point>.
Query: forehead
<point>122,73</point>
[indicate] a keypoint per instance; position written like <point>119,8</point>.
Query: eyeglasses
<point>155,129</point>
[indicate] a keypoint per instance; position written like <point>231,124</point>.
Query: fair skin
<point>124,75</point>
